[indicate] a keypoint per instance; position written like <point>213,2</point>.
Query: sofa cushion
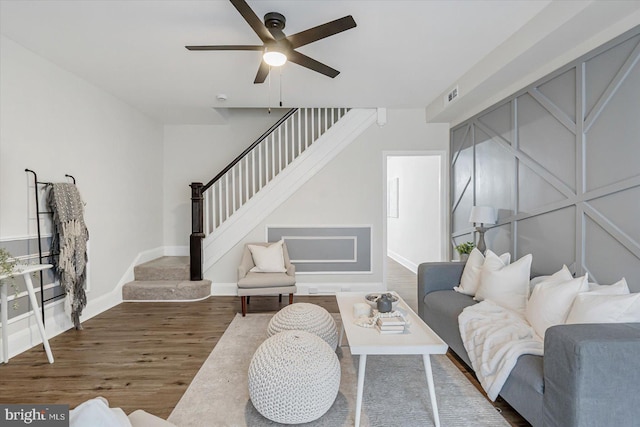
<point>525,387</point>
<point>266,280</point>
<point>441,311</point>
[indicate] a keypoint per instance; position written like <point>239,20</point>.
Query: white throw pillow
<point>563,274</point>
<point>538,279</point>
<point>597,308</point>
<point>96,413</point>
<point>471,274</point>
<point>505,285</point>
<point>268,259</point>
<point>618,288</point>
<point>551,300</point>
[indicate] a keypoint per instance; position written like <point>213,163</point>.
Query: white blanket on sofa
<point>494,338</point>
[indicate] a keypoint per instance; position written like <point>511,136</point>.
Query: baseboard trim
<point>224,289</point>
<point>176,250</point>
<point>149,255</point>
<point>413,267</point>
<point>166,300</point>
<point>307,288</point>
<point>331,288</point>
<point>57,322</point>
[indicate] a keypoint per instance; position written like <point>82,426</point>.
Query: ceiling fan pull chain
<point>269,90</point>
<point>280,86</point>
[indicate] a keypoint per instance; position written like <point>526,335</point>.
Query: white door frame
<point>444,201</point>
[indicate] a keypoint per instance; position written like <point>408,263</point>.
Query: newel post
<point>197,230</point>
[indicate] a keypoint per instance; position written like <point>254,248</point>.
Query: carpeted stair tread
<point>163,268</point>
<point>159,290</point>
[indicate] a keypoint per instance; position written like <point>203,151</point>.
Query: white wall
<point>197,153</point>
<point>416,235</point>
<point>53,122</point>
<point>349,190</point>
<point>562,32</point>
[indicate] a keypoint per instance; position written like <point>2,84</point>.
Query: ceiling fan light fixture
<point>278,48</point>
<point>274,58</point>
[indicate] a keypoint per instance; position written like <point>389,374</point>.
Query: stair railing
<point>214,202</point>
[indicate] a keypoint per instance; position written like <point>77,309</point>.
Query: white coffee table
<point>419,339</point>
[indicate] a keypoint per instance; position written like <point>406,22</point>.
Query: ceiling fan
<point>278,47</point>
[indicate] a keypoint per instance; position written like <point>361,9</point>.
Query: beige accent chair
<point>252,283</point>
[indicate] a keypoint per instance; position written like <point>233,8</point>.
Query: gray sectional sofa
<point>589,374</point>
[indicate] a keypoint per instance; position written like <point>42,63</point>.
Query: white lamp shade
<point>274,58</point>
<point>483,215</point>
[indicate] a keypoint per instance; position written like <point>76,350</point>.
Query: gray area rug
<point>395,388</point>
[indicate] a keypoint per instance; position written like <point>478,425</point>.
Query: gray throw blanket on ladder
<point>69,241</point>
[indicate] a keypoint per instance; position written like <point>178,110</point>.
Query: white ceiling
<point>401,54</point>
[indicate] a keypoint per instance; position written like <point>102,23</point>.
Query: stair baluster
<point>215,202</point>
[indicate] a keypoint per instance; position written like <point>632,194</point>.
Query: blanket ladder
<point>38,216</point>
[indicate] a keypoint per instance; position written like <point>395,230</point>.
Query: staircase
<point>244,193</point>
<point>264,176</point>
<point>165,279</point>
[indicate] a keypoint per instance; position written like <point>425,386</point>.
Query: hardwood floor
<point>402,281</point>
<point>144,355</point>
<point>137,355</point>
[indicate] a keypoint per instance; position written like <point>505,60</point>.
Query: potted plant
<point>7,264</point>
<point>464,249</point>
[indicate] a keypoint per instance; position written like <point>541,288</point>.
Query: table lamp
<point>482,215</point>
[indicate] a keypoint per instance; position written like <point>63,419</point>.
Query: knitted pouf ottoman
<point>305,317</point>
<point>294,377</point>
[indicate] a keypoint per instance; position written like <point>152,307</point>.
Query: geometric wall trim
<point>560,161</point>
<point>326,249</point>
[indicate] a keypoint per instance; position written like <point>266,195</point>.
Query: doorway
<point>415,219</point>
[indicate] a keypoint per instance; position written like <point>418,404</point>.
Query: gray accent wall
<point>326,250</point>
<point>560,160</point>
<point>27,251</point>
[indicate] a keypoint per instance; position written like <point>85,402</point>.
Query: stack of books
<point>390,325</point>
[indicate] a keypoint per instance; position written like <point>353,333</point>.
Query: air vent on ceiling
<point>451,96</point>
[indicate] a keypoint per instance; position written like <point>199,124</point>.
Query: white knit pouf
<point>305,317</point>
<point>294,377</point>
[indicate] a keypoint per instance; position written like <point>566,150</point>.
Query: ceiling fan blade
<point>263,71</point>
<point>252,19</point>
<point>226,47</point>
<point>312,64</point>
<point>321,31</point>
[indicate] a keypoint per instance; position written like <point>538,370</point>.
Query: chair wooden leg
<point>290,298</point>
<point>279,297</point>
<point>244,305</point>
<point>248,299</point>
